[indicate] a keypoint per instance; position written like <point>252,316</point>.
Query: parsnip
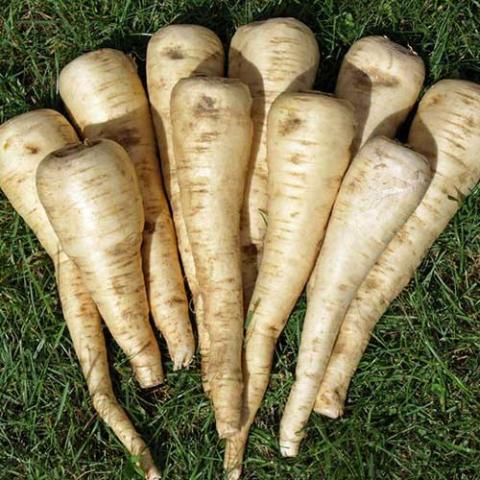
<point>383,186</point>
<point>24,142</point>
<point>105,96</point>
<point>306,164</point>
<point>446,129</point>
<point>271,57</point>
<point>92,199</point>
<point>212,133</point>
<point>382,79</point>
<point>176,52</point>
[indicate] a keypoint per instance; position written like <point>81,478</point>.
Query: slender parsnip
<point>93,201</point>
<point>176,52</point>
<point>382,79</point>
<point>271,57</point>
<point>383,186</point>
<point>306,164</point>
<point>212,133</point>
<point>24,142</point>
<point>106,99</point>
<point>446,129</point>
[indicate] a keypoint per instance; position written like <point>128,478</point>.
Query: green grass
<point>413,410</point>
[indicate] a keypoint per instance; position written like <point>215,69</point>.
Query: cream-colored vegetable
<point>382,79</point>
<point>105,97</point>
<point>24,142</point>
<point>306,164</point>
<point>271,57</point>
<point>176,52</point>
<point>212,133</point>
<point>92,199</point>
<point>383,186</point>
<point>446,129</point>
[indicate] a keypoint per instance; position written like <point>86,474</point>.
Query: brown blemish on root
<point>32,149</point>
<point>175,53</point>
<point>371,284</point>
<point>205,106</point>
<point>128,138</point>
<point>6,145</point>
<point>289,125</point>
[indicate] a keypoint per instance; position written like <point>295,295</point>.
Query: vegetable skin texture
<point>383,186</point>
<point>446,129</point>
<point>271,57</point>
<point>93,201</point>
<point>173,53</point>
<point>306,164</point>
<point>106,99</point>
<point>24,141</point>
<point>382,80</point>
<point>212,133</point>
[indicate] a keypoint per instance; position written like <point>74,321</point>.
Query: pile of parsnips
<point>270,184</point>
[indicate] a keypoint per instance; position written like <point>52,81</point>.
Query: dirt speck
<point>250,249</point>
<point>149,227</point>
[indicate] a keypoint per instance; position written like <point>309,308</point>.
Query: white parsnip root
<point>106,98</point>
<point>271,57</point>
<point>176,52</point>
<point>383,186</point>
<point>306,164</point>
<point>446,129</point>
<point>212,133</point>
<point>24,142</point>
<point>382,79</point>
<point>92,199</point>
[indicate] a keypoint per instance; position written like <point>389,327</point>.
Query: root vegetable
<point>105,96</point>
<point>446,130</point>
<point>306,164</point>
<point>383,186</point>
<point>92,199</point>
<point>24,142</point>
<point>176,52</point>
<point>382,79</point>
<point>271,57</point>
<point>212,133</point>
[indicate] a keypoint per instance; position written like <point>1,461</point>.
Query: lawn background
<point>414,406</point>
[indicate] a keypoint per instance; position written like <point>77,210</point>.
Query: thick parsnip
<point>93,201</point>
<point>105,97</point>
<point>446,129</point>
<point>382,79</point>
<point>306,164</point>
<point>176,52</point>
<point>383,186</point>
<point>271,57</point>
<point>212,133</point>
<point>24,142</point>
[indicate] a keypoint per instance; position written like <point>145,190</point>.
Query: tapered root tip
<point>234,473</point>
<point>328,406</point>
<point>329,410</point>
<point>153,474</point>
<point>149,377</point>
<point>289,449</point>
<point>182,359</point>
